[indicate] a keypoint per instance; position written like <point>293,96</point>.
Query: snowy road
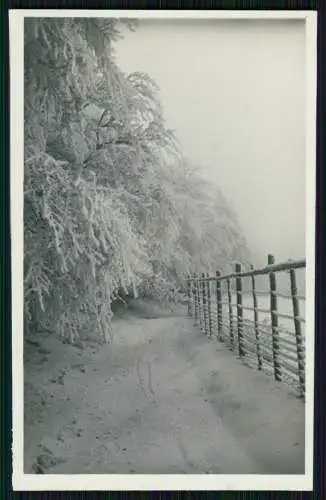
<point>162,399</point>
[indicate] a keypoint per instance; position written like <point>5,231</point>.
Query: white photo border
<point>120,482</point>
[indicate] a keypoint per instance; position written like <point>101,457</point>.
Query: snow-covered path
<point>161,399</point>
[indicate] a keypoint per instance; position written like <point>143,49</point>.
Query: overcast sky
<point>234,91</point>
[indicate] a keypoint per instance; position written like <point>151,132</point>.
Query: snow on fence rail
<point>256,325</point>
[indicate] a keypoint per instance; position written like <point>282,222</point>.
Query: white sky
<point>234,91</point>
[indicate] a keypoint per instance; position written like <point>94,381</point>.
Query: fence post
<point>193,295</point>
<point>189,295</point>
<point>219,306</point>
<point>298,333</point>
<point>203,276</point>
<point>230,314</point>
<point>274,318</point>
<point>255,306</point>
<point>201,303</point>
<point>195,299</point>
<point>198,300</point>
<point>239,310</point>
<point>209,304</point>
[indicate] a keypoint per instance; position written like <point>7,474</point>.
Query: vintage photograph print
<point>163,193</point>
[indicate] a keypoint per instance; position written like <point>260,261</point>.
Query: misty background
<point>234,92</point>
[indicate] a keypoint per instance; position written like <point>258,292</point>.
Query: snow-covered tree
<point>109,200</point>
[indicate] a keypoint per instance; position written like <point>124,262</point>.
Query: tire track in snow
<point>152,397</point>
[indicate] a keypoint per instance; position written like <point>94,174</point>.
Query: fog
<point>234,92</point>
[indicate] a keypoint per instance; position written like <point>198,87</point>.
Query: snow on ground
<point>162,399</point>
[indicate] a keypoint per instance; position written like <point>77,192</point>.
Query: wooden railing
<point>268,336</point>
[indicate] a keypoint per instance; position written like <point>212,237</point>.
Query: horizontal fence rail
<point>265,328</point>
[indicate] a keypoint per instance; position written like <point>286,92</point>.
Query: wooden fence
<point>222,306</point>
